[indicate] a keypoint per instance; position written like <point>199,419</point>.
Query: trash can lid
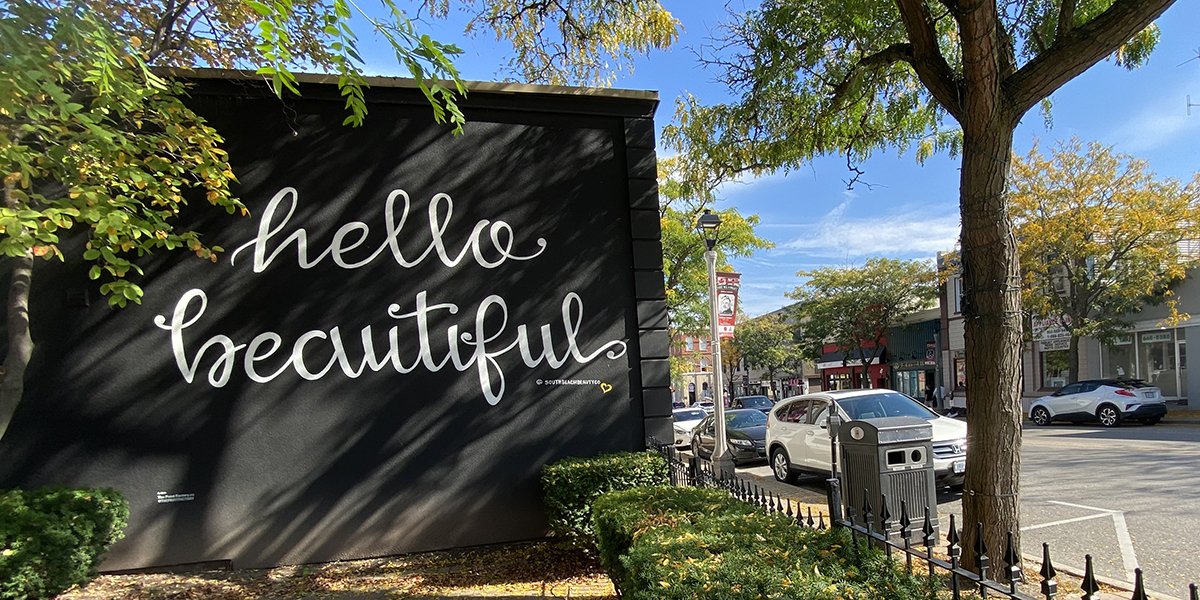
<point>885,430</point>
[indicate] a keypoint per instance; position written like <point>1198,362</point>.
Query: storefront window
<point>843,381</point>
<point>912,383</point>
<point>1156,357</point>
<point>1055,370</point>
<point>1118,359</point>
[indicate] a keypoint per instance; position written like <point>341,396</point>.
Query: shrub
<point>618,516</point>
<point>706,546</point>
<point>571,486</point>
<point>51,539</point>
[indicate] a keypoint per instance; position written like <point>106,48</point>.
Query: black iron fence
<point>914,536</point>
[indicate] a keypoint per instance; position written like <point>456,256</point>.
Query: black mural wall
<point>407,327</point>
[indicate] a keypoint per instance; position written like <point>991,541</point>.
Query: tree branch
<point>890,55</point>
<point>931,67</point>
<point>1086,46</point>
<point>1066,19</point>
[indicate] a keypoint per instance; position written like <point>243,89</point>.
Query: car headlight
<point>742,443</point>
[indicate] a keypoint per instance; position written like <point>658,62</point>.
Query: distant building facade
<point>695,383</point>
<point>1151,350</point>
<point>913,350</point>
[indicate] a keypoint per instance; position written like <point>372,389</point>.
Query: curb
<point>1074,571</point>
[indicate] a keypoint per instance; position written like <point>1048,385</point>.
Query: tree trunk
<point>867,383</point>
<point>992,311</point>
<point>20,342</point>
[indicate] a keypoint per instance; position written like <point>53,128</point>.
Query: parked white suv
<point>1109,401</point>
<point>798,434</point>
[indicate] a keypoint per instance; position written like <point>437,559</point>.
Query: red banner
<point>727,295</point>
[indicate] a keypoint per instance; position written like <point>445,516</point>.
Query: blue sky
<point>909,210</point>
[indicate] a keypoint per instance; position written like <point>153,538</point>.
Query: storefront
<point>914,377</point>
<point>840,375</point>
<point>1158,357</point>
<point>912,354</point>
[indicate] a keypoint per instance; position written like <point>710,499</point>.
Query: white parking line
<point>1065,521</point>
<point>1103,510</point>
<point>1124,541</point>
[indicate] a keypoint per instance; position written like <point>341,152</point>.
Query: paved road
<point>1130,496</point>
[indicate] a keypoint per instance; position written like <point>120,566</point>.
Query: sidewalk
<point>1182,415</point>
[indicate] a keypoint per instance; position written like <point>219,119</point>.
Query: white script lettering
<point>478,348</point>
<point>490,243</point>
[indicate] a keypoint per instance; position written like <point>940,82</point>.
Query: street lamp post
<point>722,462</point>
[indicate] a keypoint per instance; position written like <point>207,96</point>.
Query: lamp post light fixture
<point>708,223</point>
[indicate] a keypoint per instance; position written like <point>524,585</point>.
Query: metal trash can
<point>892,457</point>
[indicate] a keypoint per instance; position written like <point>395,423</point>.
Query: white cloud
<point>1161,123</point>
<point>747,187</point>
<point>845,234</point>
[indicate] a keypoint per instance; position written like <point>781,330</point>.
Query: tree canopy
<point>684,266</point>
<point>93,141</point>
<point>853,307</point>
<point>1099,237</point>
<point>811,77</point>
<point>767,343</point>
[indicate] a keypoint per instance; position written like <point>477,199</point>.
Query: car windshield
<point>755,402</point>
<point>694,414</point>
<point>739,419</point>
<point>884,404</point>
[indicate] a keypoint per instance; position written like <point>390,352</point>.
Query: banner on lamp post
<point>727,295</point>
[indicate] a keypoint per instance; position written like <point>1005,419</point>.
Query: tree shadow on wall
<point>295,472</point>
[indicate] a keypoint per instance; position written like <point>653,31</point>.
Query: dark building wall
<point>912,341</point>
<point>282,407</point>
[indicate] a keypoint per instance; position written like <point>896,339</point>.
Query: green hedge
<point>51,539</point>
<point>571,486</point>
<point>690,543</point>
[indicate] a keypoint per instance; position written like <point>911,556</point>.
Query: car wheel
<point>1109,415</point>
<point>696,447</point>
<point>781,466</point>
<point>1040,416</point>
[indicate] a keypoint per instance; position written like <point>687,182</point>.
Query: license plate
<point>958,467</point>
<point>1151,394</point>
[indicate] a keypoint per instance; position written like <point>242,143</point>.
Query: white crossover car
<point>798,431</point>
<point>686,420</point>
<point>1109,401</point>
